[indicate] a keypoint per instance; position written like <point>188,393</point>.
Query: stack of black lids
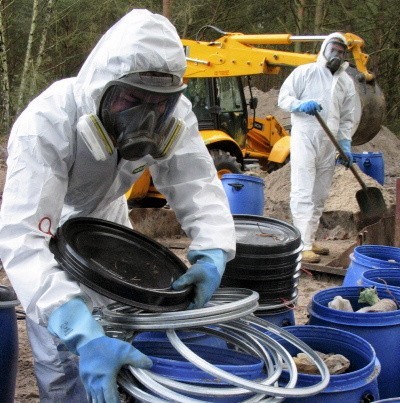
<point>267,259</point>
<point>121,264</point>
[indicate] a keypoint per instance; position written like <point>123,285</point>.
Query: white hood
<point>153,45</point>
<point>321,58</point>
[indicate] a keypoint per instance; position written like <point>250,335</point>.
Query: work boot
<point>320,250</point>
<point>308,256</point>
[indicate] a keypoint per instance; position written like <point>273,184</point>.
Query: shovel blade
<point>372,204</point>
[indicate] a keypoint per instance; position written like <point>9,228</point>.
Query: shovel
<point>370,199</point>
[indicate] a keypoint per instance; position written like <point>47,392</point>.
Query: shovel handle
<point>341,152</point>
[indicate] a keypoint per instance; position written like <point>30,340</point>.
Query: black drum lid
<point>121,264</point>
<point>262,235</point>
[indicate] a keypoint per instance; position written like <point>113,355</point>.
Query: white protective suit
<point>312,154</point>
<point>53,175</point>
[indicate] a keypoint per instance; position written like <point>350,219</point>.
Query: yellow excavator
<point>217,74</point>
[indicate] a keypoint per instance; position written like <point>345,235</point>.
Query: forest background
<point>45,40</point>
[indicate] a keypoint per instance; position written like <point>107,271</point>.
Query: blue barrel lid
<point>242,177</point>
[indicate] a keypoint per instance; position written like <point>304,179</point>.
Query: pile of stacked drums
<point>267,261</point>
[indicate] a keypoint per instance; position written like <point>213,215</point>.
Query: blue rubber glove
<point>309,107</point>
<point>205,274</point>
<point>101,357</point>
<point>345,145</point>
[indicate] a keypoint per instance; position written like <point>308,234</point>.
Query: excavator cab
<point>229,133</point>
<point>219,104</point>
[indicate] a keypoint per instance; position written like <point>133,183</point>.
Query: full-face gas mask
<point>136,117</point>
<point>334,53</point>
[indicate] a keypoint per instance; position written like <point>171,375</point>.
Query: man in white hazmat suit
<point>325,87</point>
<point>75,151</point>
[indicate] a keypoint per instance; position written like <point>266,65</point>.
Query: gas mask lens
<point>139,121</point>
<point>334,53</point>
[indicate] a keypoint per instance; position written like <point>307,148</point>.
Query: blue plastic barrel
<point>368,257</point>
<point>8,344</point>
<point>281,317</point>
<point>169,363</point>
<point>357,384</point>
<point>389,278</point>
<point>381,329</point>
<point>372,164</point>
<point>245,193</point>
<point>188,337</point>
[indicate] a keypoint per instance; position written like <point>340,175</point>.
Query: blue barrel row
<point>370,266</point>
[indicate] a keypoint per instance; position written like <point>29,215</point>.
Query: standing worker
<point>74,152</point>
<point>325,87</point>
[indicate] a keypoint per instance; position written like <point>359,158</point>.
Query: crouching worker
<point>74,152</point>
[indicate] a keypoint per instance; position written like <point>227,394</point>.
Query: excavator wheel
<point>225,163</point>
<point>271,166</point>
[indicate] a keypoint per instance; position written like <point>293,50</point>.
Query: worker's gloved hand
<point>345,145</point>
<point>309,107</point>
<point>205,274</point>
<point>101,357</point>
<point>100,361</point>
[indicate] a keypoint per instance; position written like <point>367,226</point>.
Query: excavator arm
<point>356,45</point>
<point>236,54</point>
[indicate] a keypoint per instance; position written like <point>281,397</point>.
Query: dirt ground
<point>337,230</point>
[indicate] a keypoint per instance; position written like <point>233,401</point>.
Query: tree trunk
<point>39,57</point>
<point>319,16</point>
<point>4,79</point>
<point>300,17</point>
<point>167,8</point>
<point>28,56</point>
